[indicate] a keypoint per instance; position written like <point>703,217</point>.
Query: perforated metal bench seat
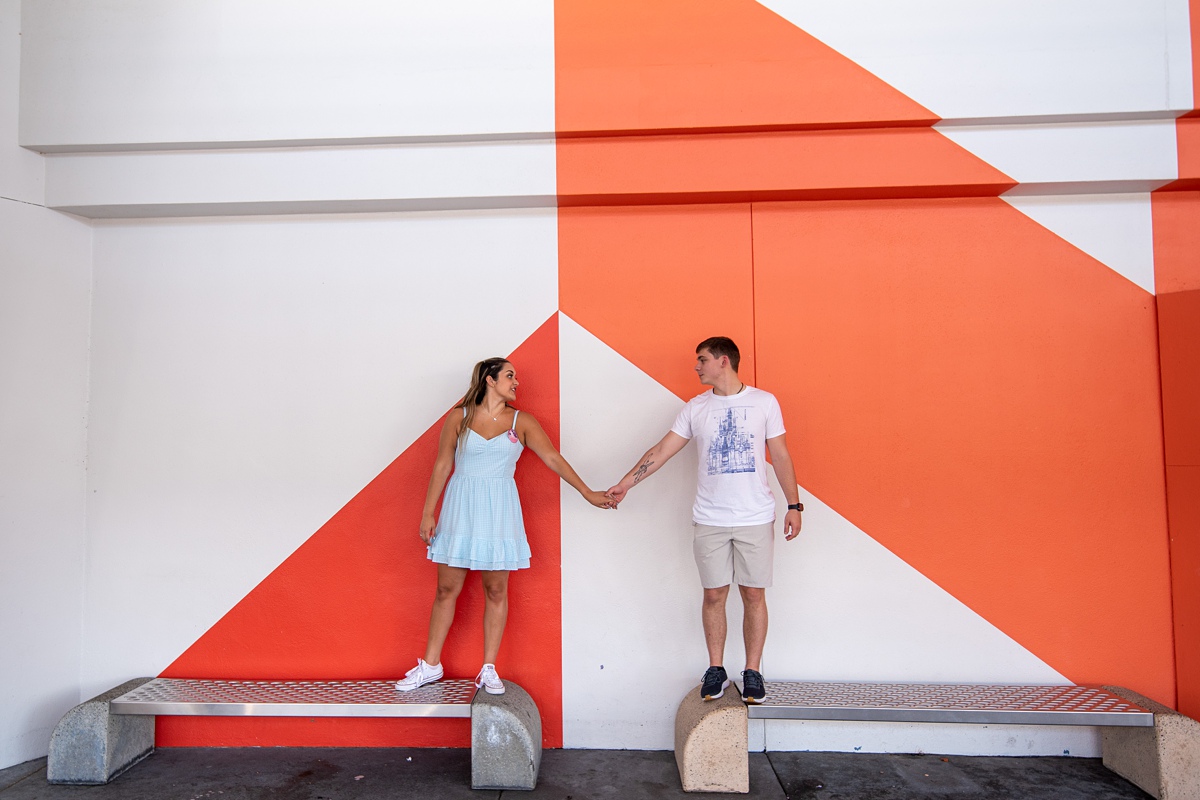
<point>711,738</point>
<point>175,697</point>
<point>104,736</point>
<point>962,703</point>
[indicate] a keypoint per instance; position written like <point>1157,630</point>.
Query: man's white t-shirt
<point>731,433</point>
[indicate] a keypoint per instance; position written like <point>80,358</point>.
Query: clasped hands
<point>611,498</point>
<point>608,499</point>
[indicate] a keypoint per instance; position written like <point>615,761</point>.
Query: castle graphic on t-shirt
<point>732,448</point>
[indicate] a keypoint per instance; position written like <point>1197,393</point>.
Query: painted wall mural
<point>980,321</point>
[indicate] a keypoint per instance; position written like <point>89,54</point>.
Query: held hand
<point>428,525</point>
<point>616,494</point>
<point>598,499</point>
<point>791,525</point>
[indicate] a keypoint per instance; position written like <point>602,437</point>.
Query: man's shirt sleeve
<point>774,419</point>
<point>683,422</point>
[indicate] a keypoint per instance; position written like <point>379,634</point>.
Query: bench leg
<point>506,740</point>
<point>91,746</point>
<point>712,743</point>
<point>1163,761</point>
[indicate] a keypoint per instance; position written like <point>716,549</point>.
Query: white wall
<point>396,177</point>
<point>250,376</point>
<point>22,173</point>
<point>1015,59</point>
<point>45,286</point>
<point>102,73</point>
<point>45,282</point>
<point>282,108</point>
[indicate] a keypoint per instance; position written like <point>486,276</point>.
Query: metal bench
<point>213,698</point>
<point>99,739</point>
<point>711,738</point>
<point>962,703</point>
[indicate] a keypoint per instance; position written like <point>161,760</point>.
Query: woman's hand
<point>599,499</point>
<point>428,525</point>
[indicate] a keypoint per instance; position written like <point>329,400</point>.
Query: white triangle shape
<point>1013,58</point>
<point>1117,156</point>
<point>1115,229</point>
<point>843,607</point>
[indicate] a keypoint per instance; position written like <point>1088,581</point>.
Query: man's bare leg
<point>715,626</point>
<point>754,625</point>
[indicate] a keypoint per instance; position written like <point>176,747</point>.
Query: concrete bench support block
<point>91,746</point>
<point>506,740</point>
<point>1163,761</point>
<point>712,743</point>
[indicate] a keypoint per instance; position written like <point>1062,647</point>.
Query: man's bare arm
<point>648,464</point>
<point>785,472</point>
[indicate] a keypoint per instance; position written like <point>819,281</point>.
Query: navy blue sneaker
<point>714,683</point>
<point>753,690</point>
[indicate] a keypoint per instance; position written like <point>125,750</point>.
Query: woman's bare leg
<point>495,612</point>
<point>449,585</point>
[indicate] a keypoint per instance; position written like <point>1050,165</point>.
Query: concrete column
<point>712,743</point>
<point>92,746</point>
<point>1164,760</point>
<point>506,739</point>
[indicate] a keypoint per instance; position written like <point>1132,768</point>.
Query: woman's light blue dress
<point>481,525</point>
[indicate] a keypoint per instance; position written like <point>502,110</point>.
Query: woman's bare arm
<point>442,467</point>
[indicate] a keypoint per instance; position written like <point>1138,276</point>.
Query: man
<point>734,513</point>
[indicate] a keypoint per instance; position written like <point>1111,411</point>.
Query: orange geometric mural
<point>780,165</point>
<point>742,105</point>
<point>1176,209</point>
<point>652,281</point>
<point>671,66</point>
<point>1177,280</point>
<point>336,610</point>
<point>968,389</point>
<point>960,383</point>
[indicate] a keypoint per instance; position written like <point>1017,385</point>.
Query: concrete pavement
<point>445,774</point>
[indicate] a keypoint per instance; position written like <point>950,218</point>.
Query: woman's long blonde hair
<point>488,368</point>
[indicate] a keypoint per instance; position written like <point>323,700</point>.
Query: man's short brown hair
<point>722,346</point>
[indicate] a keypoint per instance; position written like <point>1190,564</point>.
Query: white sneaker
<point>488,680</point>
<point>419,675</point>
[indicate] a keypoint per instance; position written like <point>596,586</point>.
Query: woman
<point>481,527</point>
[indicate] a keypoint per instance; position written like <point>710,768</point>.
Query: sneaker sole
<point>753,701</point>
<point>490,690</point>
<point>400,688</point>
<point>719,694</point>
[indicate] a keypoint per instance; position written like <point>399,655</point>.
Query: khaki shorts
<point>744,556</point>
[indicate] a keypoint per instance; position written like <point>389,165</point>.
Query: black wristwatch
<point>795,506</point>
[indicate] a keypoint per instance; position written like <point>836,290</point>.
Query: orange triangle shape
<point>691,65</point>
<point>353,602</point>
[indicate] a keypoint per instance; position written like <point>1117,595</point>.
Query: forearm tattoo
<point>641,471</point>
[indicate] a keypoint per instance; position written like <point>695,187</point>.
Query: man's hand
<point>616,494</point>
<point>791,524</point>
